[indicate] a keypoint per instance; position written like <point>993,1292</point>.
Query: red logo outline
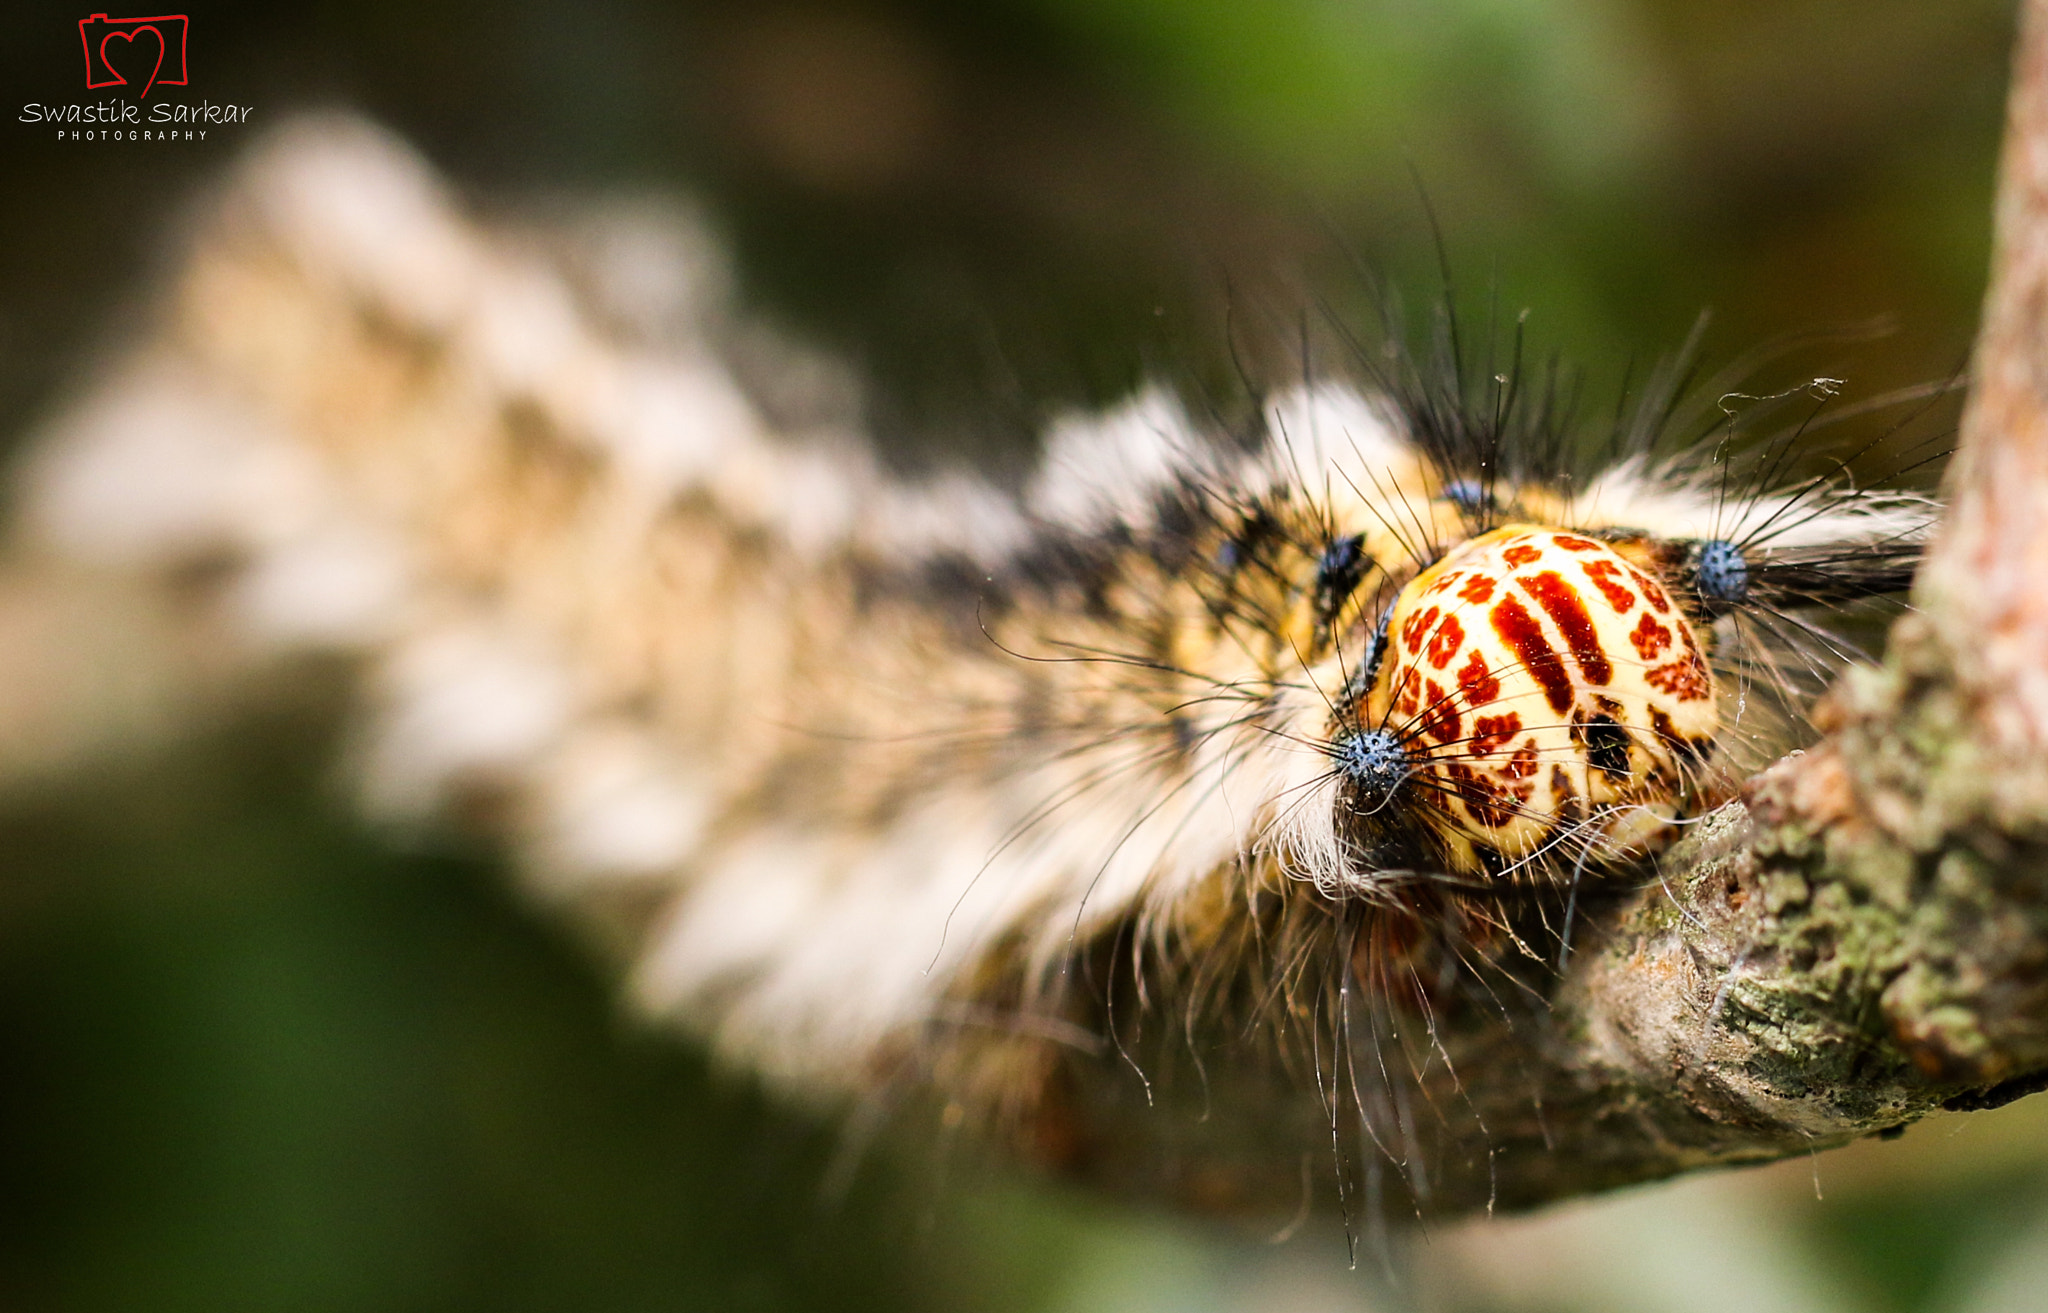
<point>128,29</point>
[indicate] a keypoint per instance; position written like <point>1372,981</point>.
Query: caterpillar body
<point>877,787</point>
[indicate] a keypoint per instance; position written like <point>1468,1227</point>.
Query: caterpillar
<point>1132,784</point>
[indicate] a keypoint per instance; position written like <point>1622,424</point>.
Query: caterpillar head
<point>1535,687</point>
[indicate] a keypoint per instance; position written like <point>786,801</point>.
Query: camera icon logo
<point>134,44</point>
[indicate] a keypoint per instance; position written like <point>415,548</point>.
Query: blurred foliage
<point>1004,208</point>
<point>257,1059</point>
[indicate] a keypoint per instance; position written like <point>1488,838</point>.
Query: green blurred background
<point>252,1056</point>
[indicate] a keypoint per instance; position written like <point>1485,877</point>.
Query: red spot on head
<point>1485,801</point>
<point>1446,581</point>
<point>1604,574</point>
<point>1489,733</point>
<point>1519,630</point>
<point>1650,637</point>
<point>1440,719</point>
<point>1690,684</point>
<point>1411,692</point>
<point>1685,680</point>
<point>1562,603</point>
<point>1445,642</point>
<point>1523,764</point>
<point>1572,544</point>
<point>1651,591</point>
<point>1478,682</point>
<point>1517,557</point>
<point>1477,589</point>
<point>1416,627</point>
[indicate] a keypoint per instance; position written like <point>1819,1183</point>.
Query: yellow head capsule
<point>1543,684</point>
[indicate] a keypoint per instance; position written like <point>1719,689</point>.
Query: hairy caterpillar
<point>875,786</point>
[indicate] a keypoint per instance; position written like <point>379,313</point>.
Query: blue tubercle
<point>1376,762</point>
<point>1722,575</point>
